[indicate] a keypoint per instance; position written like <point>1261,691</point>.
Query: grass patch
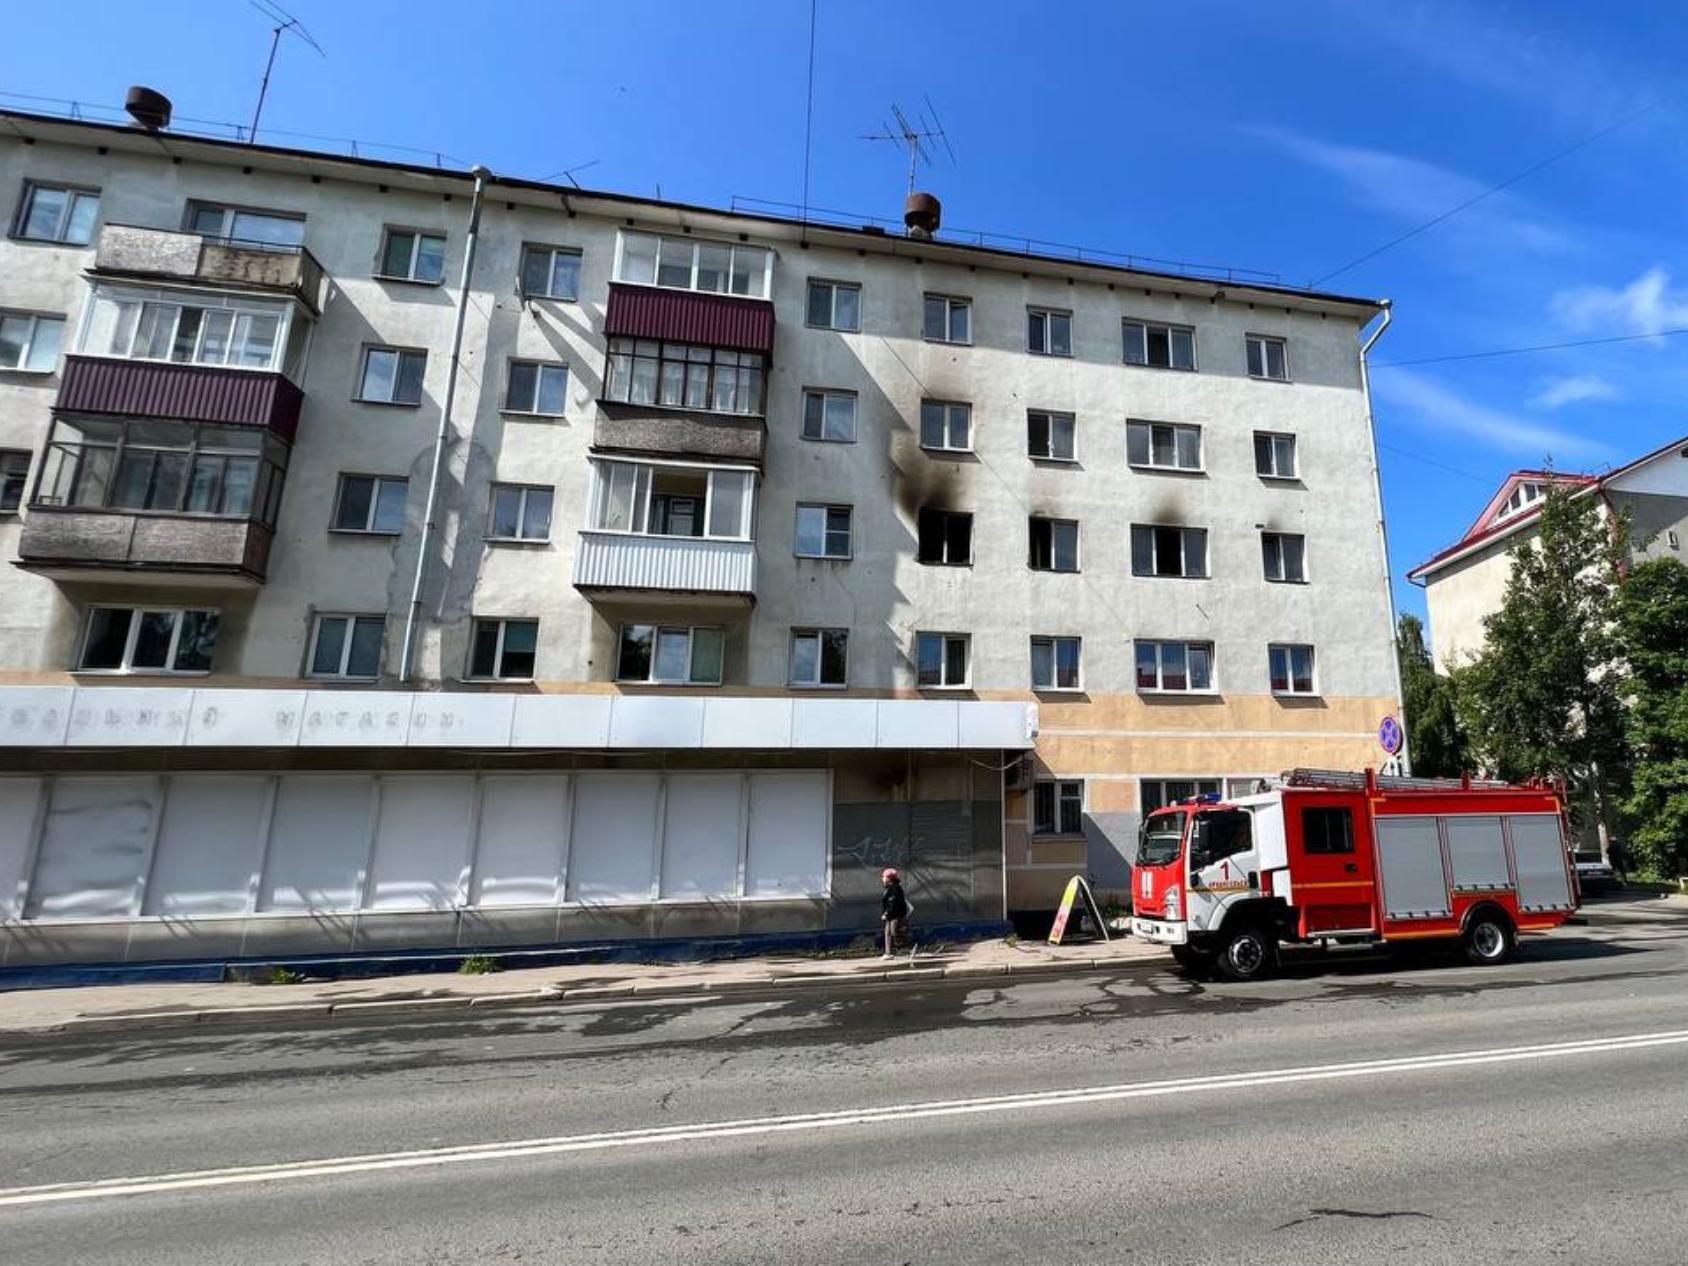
<point>479,965</point>
<point>279,976</point>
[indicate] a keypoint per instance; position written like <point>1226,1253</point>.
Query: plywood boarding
<point>210,845</point>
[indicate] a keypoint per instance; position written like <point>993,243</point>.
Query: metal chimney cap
<point>148,107</point>
<point>922,214</point>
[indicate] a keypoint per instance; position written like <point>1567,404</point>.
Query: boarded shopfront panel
<point>788,835</point>
<point>94,848</point>
<point>524,828</point>
<point>209,846</point>
<point>701,835</point>
<point>20,798</point>
<point>422,842</point>
<point>612,849</point>
<point>319,843</point>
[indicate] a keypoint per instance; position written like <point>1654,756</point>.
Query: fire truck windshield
<point>1162,840</point>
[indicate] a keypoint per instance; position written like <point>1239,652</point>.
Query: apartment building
<point>733,557</point>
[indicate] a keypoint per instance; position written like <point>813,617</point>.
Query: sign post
<point>1077,888</point>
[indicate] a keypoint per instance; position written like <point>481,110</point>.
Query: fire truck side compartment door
<point>1330,862</point>
<point>1415,883</point>
<point>1538,855</point>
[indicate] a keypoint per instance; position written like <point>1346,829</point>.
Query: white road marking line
<point>60,1193</point>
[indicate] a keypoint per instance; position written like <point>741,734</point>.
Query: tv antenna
<point>284,22</point>
<point>568,173</point>
<point>917,139</point>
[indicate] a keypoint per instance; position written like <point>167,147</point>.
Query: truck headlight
<point>1173,895</point>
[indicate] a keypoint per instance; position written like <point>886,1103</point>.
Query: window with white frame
<point>1168,551</point>
<point>829,416</point>
<point>684,376</point>
<point>30,342</point>
<point>1058,806</point>
<point>1157,793</point>
<point>1274,455</point>
<point>1163,445</point>
<point>948,319</point>
<point>946,426</point>
<point>538,388</point>
<point>372,504</point>
<point>1523,496</point>
<point>1290,666</point>
<point>820,657</point>
<point>143,640</point>
<point>1054,544</point>
<point>940,660</point>
<point>503,650</point>
<point>209,330</point>
<point>647,499</point>
<point>1051,437</point>
<point>412,255</point>
<point>945,537</point>
<point>1049,332</point>
<point>1267,358</point>
<point>392,375</point>
<point>835,305</point>
<point>347,647</point>
<point>1284,557</point>
<point>550,272</point>
<point>1174,666</point>
<point>823,531</point>
<point>246,226</point>
<point>1056,663</point>
<point>1159,346</point>
<point>520,512</point>
<point>676,655</point>
<point>57,213</point>
<point>685,263</point>
<point>14,472</point>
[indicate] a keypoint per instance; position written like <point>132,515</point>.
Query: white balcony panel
<point>616,560</point>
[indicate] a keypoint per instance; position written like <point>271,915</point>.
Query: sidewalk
<point>144,1006</point>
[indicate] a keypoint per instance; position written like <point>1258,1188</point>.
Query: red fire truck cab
<point>1340,857</point>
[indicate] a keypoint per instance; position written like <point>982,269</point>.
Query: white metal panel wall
<point>94,848</point>
<point>319,843</point>
<point>612,847</point>
<point>524,830</point>
<point>1477,850</point>
<point>790,814</point>
<point>1409,855</point>
<point>422,843</point>
<point>702,831</point>
<point>1538,853</point>
<point>210,844</point>
<point>20,801</point>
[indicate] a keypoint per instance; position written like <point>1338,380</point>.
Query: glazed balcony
<point>127,250</point>
<point>180,392</point>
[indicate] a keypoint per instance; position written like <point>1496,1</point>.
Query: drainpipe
<point>1383,530</point>
<point>407,656</point>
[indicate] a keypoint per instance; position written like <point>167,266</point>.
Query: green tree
<point>1544,696</point>
<point>1435,741</point>
<point>1653,637</point>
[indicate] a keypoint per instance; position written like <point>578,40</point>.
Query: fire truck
<point>1330,857</point>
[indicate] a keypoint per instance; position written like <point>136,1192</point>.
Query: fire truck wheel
<point>1249,953</point>
<point>1488,939</point>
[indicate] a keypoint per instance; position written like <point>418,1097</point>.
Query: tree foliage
<point>1652,632</point>
<point>1435,741</point>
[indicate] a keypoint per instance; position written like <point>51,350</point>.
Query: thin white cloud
<point>1648,305</point>
<point>1423,401</point>
<point>1556,393</point>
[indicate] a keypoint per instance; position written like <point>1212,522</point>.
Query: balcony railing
<point>127,250</point>
<point>188,393</point>
<point>73,543</point>
<point>628,428</point>
<point>621,561</point>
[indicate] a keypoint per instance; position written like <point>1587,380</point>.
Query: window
<point>1174,666</point>
<point>550,272</point>
<point>410,255</point>
<point>946,537</point>
<point>948,319</point>
<point>537,387</point>
<point>1523,495</point>
<point>1168,551</point>
<point>504,649</point>
<point>14,470</point>
<point>1157,793</point>
<point>683,263</point>
<point>941,660</point>
<point>829,416</point>
<point>347,647</point>
<point>1048,332</point>
<point>1291,669</point>
<point>834,305</point>
<point>678,655</point>
<point>1266,358</point>
<point>1160,346</point>
<point>1327,830</point>
<point>1058,807</point>
<point>392,376</point>
<point>1274,455</point>
<point>673,500</point>
<point>135,640</point>
<point>369,503</point>
<point>946,426</point>
<point>29,342</point>
<point>1055,663</point>
<point>1284,557</point>
<point>267,230</point>
<point>823,531</point>
<point>1054,544</point>
<point>1163,445</point>
<point>520,512</point>
<point>1050,436</point>
<point>208,331</point>
<point>819,657</point>
<point>55,213</point>
<point>682,376</point>
<point>1220,834</point>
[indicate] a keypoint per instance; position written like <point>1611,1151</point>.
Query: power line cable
<point>1533,347</point>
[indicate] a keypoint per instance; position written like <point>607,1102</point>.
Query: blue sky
<point>1287,138</point>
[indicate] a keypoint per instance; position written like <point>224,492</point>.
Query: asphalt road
<point>1362,1109</point>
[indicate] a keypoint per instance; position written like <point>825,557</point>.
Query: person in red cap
<point>893,909</point>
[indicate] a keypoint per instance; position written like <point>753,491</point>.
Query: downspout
<point>1383,530</point>
<point>407,656</point>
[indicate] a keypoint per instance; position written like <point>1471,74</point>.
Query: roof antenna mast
<point>284,21</point>
<point>915,138</point>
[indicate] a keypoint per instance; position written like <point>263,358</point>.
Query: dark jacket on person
<point>893,905</point>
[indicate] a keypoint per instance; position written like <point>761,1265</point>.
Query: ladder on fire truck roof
<point>1348,780</point>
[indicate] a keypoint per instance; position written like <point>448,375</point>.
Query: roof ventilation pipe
<point>922,214</point>
<point>147,107</point>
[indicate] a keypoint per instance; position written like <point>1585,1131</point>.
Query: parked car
<point>1593,871</point>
